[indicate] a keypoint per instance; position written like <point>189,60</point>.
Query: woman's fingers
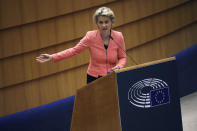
<point>115,68</point>
<point>43,58</point>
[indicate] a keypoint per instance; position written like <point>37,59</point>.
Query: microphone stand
<point>123,50</point>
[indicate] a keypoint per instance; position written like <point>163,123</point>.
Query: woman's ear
<point>112,23</point>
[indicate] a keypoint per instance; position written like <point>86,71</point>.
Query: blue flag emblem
<point>148,93</point>
<point>159,96</point>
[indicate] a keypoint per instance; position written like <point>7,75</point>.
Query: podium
<point>139,98</point>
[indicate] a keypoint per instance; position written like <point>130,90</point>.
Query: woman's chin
<point>106,32</point>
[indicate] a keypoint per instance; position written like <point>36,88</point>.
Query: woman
<point>106,47</point>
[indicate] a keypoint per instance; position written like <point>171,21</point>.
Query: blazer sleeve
<point>121,54</point>
<point>81,46</point>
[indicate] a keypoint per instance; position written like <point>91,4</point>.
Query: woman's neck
<point>105,35</point>
<point>105,39</point>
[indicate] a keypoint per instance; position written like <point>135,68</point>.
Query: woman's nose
<point>104,25</point>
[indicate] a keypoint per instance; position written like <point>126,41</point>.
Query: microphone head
<point>111,37</point>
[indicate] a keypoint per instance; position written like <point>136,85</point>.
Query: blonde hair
<point>103,11</point>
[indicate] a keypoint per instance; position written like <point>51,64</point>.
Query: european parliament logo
<point>149,93</point>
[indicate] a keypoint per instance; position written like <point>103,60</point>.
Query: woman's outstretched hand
<point>44,58</point>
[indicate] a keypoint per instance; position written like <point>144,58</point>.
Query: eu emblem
<point>159,96</point>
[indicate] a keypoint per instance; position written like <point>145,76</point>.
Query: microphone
<point>123,50</point>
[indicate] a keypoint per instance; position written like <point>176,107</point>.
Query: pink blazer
<point>101,60</point>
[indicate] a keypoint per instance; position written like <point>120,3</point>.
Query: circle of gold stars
<point>163,96</point>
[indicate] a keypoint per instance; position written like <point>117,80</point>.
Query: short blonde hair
<point>103,11</point>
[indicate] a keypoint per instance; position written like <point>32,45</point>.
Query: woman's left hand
<point>115,68</point>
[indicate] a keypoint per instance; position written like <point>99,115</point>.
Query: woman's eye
<point>106,22</point>
<point>100,22</point>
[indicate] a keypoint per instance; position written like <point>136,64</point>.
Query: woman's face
<point>104,24</point>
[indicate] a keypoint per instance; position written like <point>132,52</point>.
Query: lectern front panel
<point>149,98</point>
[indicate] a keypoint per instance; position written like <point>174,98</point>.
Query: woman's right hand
<point>44,58</point>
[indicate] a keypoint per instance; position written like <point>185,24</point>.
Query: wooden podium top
<point>147,64</point>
